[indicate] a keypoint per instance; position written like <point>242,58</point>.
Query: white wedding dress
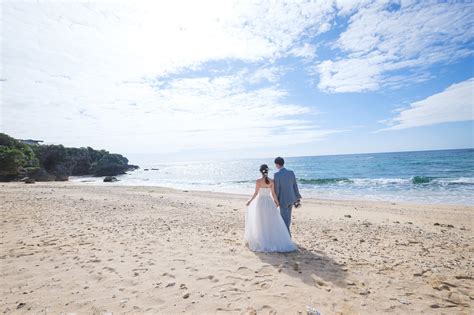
<point>265,230</point>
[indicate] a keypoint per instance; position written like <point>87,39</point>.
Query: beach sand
<point>77,248</point>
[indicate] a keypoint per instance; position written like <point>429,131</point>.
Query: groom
<point>286,190</point>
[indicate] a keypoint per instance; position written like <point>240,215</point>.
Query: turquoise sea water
<point>445,176</point>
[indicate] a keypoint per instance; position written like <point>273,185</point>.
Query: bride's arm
<point>275,198</point>
<point>257,187</point>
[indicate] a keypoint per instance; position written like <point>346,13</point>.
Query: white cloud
<point>266,74</point>
<point>203,113</point>
<point>306,51</point>
<point>105,74</point>
<point>383,40</point>
<point>347,7</point>
<point>152,38</point>
<point>456,103</point>
<point>136,76</point>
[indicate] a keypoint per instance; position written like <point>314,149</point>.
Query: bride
<point>265,230</point>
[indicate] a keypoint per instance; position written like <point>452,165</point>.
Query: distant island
<point>29,161</point>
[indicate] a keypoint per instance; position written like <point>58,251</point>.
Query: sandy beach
<point>76,248</point>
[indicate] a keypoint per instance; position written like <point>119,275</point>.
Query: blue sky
<point>184,80</point>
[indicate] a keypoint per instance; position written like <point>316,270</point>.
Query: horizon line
<point>304,156</point>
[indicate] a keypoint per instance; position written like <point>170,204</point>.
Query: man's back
<point>286,187</point>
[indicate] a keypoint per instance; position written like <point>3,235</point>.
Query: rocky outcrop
<point>110,165</point>
<point>39,174</point>
<point>56,162</point>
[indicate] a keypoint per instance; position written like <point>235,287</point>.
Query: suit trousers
<point>286,215</point>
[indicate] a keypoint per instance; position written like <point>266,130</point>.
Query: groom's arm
<point>277,185</point>
<point>295,187</point>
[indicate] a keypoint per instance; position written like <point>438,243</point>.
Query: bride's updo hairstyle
<point>264,171</point>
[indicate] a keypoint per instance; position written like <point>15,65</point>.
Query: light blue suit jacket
<point>286,188</point>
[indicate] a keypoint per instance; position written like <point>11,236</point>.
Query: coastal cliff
<point>37,162</point>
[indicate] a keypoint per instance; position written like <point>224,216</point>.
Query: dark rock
<point>347,216</point>
<point>29,180</point>
<point>111,165</point>
<point>42,176</point>
<point>61,172</point>
<point>61,178</point>
<point>109,179</point>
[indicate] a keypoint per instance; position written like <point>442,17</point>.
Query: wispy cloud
<point>227,115</point>
<point>456,103</point>
<point>306,51</point>
<point>266,74</point>
<point>386,37</point>
<point>181,76</point>
<point>103,73</point>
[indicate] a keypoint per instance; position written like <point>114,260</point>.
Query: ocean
<point>437,177</point>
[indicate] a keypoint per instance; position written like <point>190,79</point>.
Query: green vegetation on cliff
<point>56,162</point>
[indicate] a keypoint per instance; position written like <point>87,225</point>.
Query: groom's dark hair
<point>280,161</point>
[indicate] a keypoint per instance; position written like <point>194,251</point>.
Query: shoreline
<point>407,203</point>
<point>142,249</point>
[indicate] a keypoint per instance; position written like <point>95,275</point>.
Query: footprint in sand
<point>166,274</point>
<point>110,269</point>
<point>245,271</point>
<point>263,284</point>
<point>210,277</point>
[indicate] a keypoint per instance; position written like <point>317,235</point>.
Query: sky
<point>203,80</point>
